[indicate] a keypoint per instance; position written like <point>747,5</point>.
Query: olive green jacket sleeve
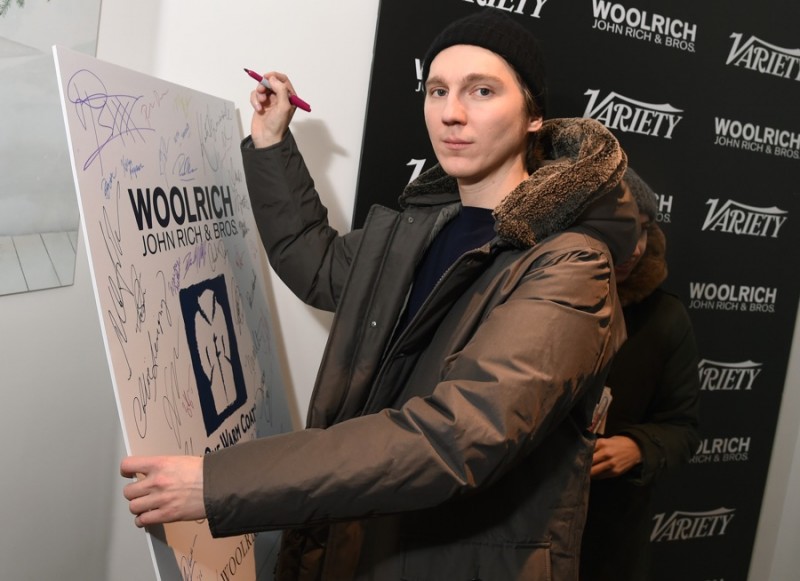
<point>304,250</point>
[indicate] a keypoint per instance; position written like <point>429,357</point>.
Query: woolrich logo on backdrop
<point>732,297</point>
<point>622,113</point>
<point>736,218</point>
<point>684,526</point>
<point>642,25</point>
<point>664,214</point>
<point>719,376</point>
<point>722,450</point>
<point>760,56</point>
<point>753,137</point>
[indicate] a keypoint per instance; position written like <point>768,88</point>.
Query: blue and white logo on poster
<point>215,355</point>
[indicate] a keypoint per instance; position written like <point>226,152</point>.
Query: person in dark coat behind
<point>652,421</point>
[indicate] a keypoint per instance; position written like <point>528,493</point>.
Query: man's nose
<point>453,111</point>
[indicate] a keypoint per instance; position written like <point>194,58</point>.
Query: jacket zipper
<point>391,353</point>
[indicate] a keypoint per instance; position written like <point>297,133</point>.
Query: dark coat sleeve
<point>304,250</point>
<point>667,431</point>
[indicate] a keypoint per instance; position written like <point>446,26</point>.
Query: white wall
<point>775,553</point>
<point>60,497</point>
<point>60,436</point>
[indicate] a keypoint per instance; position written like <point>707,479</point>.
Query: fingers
<point>280,88</point>
<point>600,464</point>
<point>135,465</point>
<point>152,517</point>
<point>279,79</point>
<point>262,99</point>
<point>602,460</point>
<point>141,501</point>
<point>272,111</point>
<point>604,469</point>
<point>614,456</point>
<point>141,493</point>
<point>153,508</point>
<point>600,452</point>
<point>257,98</point>
<point>167,489</point>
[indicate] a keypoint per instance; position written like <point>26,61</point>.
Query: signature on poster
<point>118,287</point>
<point>215,139</point>
<point>148,377</point>
<point>188,564</point>
<point>106,116</point>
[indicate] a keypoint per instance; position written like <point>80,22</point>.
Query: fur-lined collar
<point>649,273</point>
<point>580,162</point>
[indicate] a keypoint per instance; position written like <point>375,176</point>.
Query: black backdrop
<point>703,97</point>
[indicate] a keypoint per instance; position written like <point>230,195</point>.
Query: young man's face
<point>476,117</point>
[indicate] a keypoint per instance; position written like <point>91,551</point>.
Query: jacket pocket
<point>477,562</point>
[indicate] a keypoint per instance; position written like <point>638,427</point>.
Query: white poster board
<point>178,275</point>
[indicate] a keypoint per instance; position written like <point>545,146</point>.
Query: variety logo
<point>736,218</point>
<point>533,8</point>
<point>416,166</point>
<point>718,450</point>
<point>731,297</point>
<point>718,376</point>
<point>763,57</point>
<point>684,526</point>
<point>622,113</point>
<point>751,137</point>
<point>515,6</point>
<point>632,22</point>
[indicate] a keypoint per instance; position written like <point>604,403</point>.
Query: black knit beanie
<point>501,34</point>
<point>645,197</point>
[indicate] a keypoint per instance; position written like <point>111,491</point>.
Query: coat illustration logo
<point>214,351</point>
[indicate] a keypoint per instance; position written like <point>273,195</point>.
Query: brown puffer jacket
<point>457,449</point>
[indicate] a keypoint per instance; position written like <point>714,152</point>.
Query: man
<point>447,432</point>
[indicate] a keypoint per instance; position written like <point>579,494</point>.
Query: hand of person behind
<point>272,110</point>
<point>614,456</point>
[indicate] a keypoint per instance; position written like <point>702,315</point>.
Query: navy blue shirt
<point>470,229</point>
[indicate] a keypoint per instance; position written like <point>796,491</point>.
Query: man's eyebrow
<point>468,79</point>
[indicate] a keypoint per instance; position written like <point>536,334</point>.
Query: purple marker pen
<point>293,99</point>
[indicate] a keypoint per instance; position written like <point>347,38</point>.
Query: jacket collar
<point>580,162</point>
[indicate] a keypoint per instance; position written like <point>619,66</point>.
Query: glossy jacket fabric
<point>655,385</point>
<point>457,449</point>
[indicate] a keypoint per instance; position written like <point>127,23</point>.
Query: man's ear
<point>535,125</point>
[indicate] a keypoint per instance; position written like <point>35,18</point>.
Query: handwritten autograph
<point>188,564</point>
<point>108,116</point>
<point>118,286</point>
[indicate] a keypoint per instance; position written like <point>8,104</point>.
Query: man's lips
<point>455,143</point>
